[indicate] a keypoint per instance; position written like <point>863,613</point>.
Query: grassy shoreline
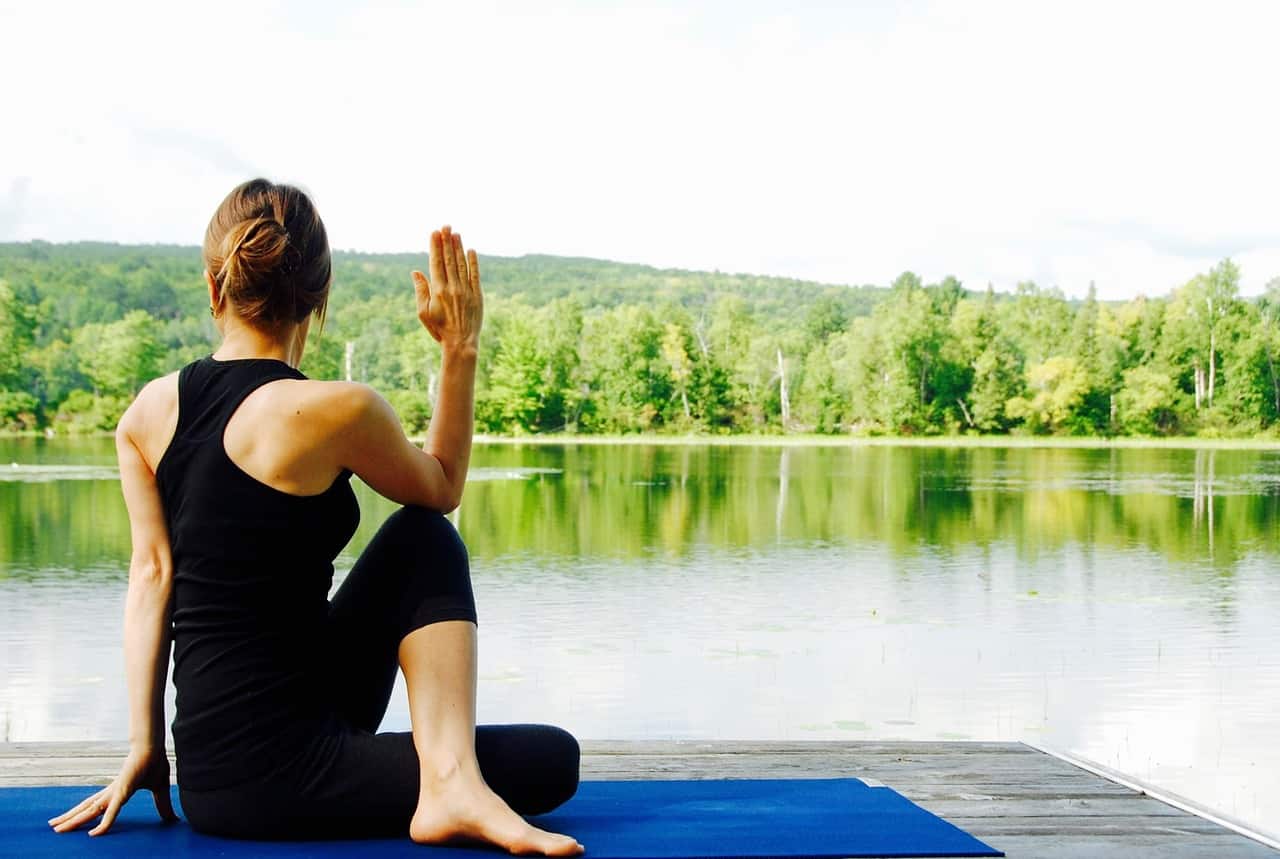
<point>811,440</point>
<point>804,440</point>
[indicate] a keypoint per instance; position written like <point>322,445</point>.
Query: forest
<point>573,345</point>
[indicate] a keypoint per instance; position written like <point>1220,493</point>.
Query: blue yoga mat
<point>809,818</point>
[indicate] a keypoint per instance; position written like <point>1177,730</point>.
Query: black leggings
<point>348,781</point>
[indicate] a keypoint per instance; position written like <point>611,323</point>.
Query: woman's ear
<point>213,288</point>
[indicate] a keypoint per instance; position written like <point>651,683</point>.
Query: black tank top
<point>252,568</point>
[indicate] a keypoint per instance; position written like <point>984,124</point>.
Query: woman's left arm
<point>147,635</point>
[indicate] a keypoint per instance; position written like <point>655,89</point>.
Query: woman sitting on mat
<point>235,471</point>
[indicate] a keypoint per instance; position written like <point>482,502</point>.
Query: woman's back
<point>238,503</point>
<point>253,566</point>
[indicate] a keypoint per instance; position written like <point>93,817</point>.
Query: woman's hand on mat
<point>149,770</point>
<point>450,304</point>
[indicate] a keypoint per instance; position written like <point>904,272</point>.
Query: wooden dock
<point>1024,801</point>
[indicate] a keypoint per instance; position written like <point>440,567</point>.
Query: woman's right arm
<point>147,618</point>
<point>372,442</point>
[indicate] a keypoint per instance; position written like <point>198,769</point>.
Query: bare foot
<point>458,807</point>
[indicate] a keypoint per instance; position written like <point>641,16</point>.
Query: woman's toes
<point>560,845</point>
<point>539,841</point>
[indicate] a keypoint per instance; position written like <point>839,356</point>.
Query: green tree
<point>17,410</point>
<point>1037,321</point>
<point>18,320</point>
<point>1269,335</point>
<point>1145,402</point>
<point>679,365</point>
<point>997,380</point>
<point>735,343</point>
<point>910,332</point>
<point>324,356</point>
<point>624,381</point>
<point>1057,387</point>
<point>531,381</point>
<point>57,369</point>
<point>1093,415</point>
<point>946,295</point>
<point>986,364</point>
<point>120,357</point>
<point>825,317</point>
<point>821,401</point>
<point>512,398</point>
<point>1244,396</point>
<point>1200,311</point>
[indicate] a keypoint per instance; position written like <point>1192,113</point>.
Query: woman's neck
<point>244,341</point>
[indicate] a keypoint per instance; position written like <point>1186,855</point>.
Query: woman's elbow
<point>150,573</point>
<point>439,491</point>
<point>447,504</point>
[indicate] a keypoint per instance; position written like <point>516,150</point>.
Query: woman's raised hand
<point>450,304</point>
<point>149,771</point>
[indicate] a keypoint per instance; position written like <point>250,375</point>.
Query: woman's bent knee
<point>424,553</point>
<point>561,761</point>
<point>422,527</point>
<point>533,767</point>
<point>570,756</point>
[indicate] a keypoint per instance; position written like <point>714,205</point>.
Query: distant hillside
<point>100,282</point>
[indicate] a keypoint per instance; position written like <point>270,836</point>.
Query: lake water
<point>1120,604</point>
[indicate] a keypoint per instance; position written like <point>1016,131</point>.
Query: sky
<point>1129,144</point>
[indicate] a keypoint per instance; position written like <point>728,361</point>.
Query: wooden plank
<point>1126,847</point>
<point>1013,796</point>
<point>62,749</point>
<point>665,748</point>
<point>1139,824</point>
<point>735,766</point>
<point>756,747</point>
<point>1013,807</point>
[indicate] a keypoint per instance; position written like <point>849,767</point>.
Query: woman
<point>235,471</point>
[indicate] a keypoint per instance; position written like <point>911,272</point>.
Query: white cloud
<point>1129,144</point>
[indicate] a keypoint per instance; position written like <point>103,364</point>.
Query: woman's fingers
<point>437,258</point>
<point>422,292</point>
<point>460,258</point>
<point>450,261</point>
<point>54,821</point>
<point>88,802</point>
<point>421,286</point>
<point>108,818</point>
<point>473,266</point>
<point>82,816</point>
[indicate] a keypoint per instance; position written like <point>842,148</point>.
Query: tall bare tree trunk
<point>702,339</point>
<point>351,351</point>
<point>782,391</point>
<point>1213,364</point>
<point>1199,383</point>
